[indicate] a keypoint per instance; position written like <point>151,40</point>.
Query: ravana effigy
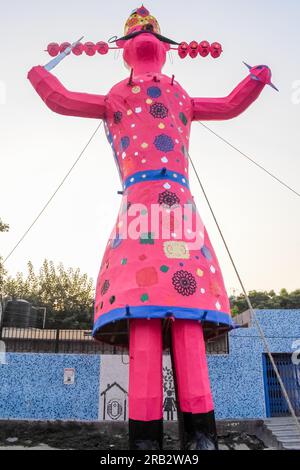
<point>159,272</point>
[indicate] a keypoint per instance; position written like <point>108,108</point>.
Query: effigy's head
<point>142,41</point>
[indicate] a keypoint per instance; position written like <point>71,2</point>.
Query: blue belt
<point>156,175</point>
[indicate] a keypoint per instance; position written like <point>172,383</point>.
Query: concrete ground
<point>60,435</point>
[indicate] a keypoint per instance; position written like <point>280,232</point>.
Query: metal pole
<point>44,316</point>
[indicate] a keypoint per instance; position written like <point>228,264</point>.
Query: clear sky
<point>260,219</point>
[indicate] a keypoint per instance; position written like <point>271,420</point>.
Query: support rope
<point>249,159</point>
<point>53,195</point>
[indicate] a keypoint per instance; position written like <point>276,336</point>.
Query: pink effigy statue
<point>159,271</point>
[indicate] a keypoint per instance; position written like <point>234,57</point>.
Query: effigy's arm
<point>63,101</point>
<point>237,102</point>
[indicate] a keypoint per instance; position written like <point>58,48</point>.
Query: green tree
<point>3,227</point>
<point>266,300</point>
<point>67,294</point>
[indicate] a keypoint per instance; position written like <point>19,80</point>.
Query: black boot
<point>145,435</point>
<point>200,432</point>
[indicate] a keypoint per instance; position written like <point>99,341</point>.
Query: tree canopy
<point>266,300</point>
<point>3,227</point>
<point>67,294</point>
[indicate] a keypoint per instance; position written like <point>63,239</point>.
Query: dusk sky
<point>260,218</point>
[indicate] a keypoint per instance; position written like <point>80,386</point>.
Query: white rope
<point>261,167</point>
<point>53,195</point>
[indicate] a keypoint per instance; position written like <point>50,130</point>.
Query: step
<point>280,428</point>
<point>290,442</point>
<point>291,447</point>
<point>284,426</point>
<point>280,421</point>
<point>278,432</point>
<point>283,434</point>
<point>284,418</point>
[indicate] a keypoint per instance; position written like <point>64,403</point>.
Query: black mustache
<point>137,33</point>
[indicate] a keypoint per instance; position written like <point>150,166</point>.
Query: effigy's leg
<point>194,392</point>
<point>145,385</point>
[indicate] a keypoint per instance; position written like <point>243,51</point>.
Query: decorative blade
<point>247,65</point>
<point>273,86</point>
<point>54,62</point>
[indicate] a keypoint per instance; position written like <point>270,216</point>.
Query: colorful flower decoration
<point>164,268</point>
<point>118,117</point>
<point>146,277</point>
<point>164,143</point>
<point>185,283</point>
<point>206,253</point>
<point>116,242</point>
<point>144,297</point>
<point>183,118</point>
<point>159,110</point>
<point>154,92</point>
<point>105,287</point>
<point>125,142</point>
<point>169,199</point>
<point>143,11</point>
<point>176,250</point>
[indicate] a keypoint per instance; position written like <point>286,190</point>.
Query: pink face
<point>145,48</point>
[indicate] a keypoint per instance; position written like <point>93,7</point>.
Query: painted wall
<point>32,385</point>
<point>237,379</point>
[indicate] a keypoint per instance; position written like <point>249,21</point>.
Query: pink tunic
<point>156,269</point>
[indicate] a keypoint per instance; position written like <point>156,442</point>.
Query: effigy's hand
<point>261,73</point>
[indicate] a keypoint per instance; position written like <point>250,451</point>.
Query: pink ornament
<point>78,49</point>
<point>64,46</point>
<point>183,50</point>
<point>102,47</point>
<point>193,49</point>
<point>53,49</point>
<point>216,50</point>
<point>204,48</point>
<point>89,48</point>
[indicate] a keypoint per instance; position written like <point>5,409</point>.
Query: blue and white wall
<point>93,387</point>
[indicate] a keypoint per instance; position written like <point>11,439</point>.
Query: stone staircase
<point>283,433</point>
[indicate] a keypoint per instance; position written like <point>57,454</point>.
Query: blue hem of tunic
<point>159,312</point>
